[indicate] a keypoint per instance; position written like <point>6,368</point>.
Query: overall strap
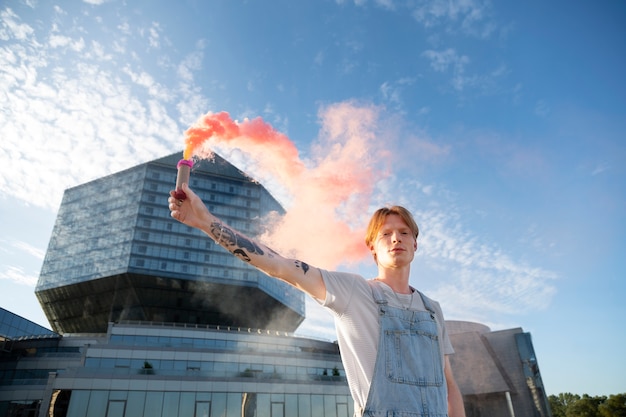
<point>377,293</point>
<point>428,305</point>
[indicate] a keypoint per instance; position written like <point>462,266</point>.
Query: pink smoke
<point>330,193</point>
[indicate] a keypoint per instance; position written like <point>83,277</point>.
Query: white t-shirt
<point>350,299</point>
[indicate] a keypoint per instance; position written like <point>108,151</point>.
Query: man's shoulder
<point>339,275</point>
<point>342,288</point>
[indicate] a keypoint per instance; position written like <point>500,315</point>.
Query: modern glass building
<point>116,254</point>
<point>13,326</point>
<point>172,369</point>
<point>152,318</point>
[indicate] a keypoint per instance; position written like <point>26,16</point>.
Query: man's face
<point>394,245</point>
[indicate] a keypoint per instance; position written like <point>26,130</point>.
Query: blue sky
<point>499,124</point>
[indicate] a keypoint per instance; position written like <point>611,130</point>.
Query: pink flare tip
<point>187,162</point>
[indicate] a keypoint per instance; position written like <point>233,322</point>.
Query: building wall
<point>166,370</point>
<point>493,371</point>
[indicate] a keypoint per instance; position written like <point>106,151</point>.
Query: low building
<point>497,372</point>
<point>172,369</point>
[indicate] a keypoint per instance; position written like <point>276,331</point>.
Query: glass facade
<point>116,254</point>
<point>190,404</point>
<point>168,370</point>
<point>13,326</point>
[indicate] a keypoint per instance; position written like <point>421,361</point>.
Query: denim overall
<point>408,378</point>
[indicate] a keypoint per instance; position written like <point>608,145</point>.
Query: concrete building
<point>151,318</point>
<point>497,372</point>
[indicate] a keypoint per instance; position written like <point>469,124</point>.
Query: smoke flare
<point>330,193</point>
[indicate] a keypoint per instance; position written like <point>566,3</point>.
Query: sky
<point>500,125</point>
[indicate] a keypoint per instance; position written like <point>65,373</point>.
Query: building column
<point>509,403</point>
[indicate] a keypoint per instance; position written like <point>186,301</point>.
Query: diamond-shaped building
<point>116,254</point>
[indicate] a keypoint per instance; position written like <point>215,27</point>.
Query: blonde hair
<point>378,219</point>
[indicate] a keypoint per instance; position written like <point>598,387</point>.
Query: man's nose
<point>395,237</point>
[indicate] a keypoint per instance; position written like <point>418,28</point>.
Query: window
<point>278,409</point>
<point>203,409</point>
<point>116,408</point>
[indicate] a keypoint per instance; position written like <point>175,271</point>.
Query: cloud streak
<point>18,276</point>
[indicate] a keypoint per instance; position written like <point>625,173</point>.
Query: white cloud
<point>486,280</point>
<point>470,17</point>
<point>56,41</point>
<point>146,80</point>
<point>17,247</point>
<point>11,28</point>
<point>600,168</point>
<point>449,61</point>
<point>18,276</point>
<point>29,249</point>
<point>124,27</point>
<point>472,278</point>
<point>95,2</point>
<point>154,35</point>
<point>189,65</point>
<point>440,61</point>
<point>70,120</point>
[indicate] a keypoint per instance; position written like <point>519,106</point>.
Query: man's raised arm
<point>192,212</point>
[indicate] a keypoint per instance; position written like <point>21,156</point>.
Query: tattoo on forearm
<point>227,237</point>
<point>217,230</point>
<point>248,244</point>
<point>239,253</point>
<point>303,265</point>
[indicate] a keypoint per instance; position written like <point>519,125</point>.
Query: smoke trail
<point>330,193</point>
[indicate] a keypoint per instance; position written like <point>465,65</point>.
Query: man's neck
<point>397,279</point>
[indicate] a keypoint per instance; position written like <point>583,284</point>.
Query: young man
<point>391,337</point>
